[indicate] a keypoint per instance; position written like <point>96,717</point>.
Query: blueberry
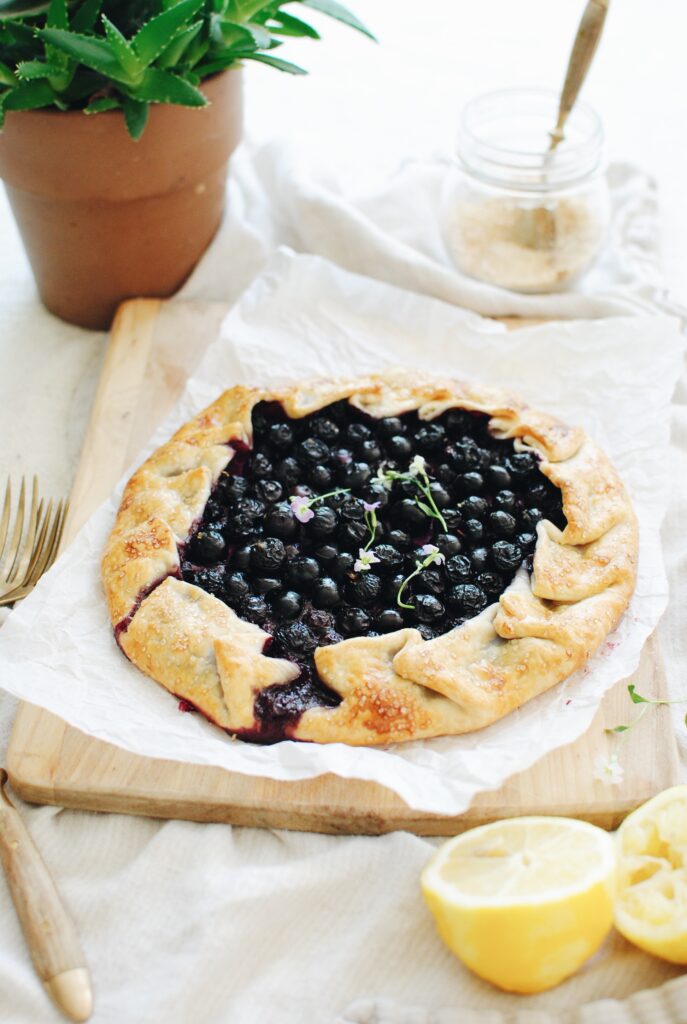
<point>492,582</point>
<point>280,522</point>
<point>356,433</point>
<point>289,471</point>
<point>253,609</point>
<point>354,474</point>
<point>474,507</point>
<point>269,491</point>
<point>464,454</point>
<point>430,437</point>
<point>458,568</point>
<point>364,590</point>
<point>325,429</point>
<point>230,486</point>
<point>342,565</point>
<point>521,464</point>
<point>506,556</point>
<point>390,558</point>
<point>324,522</point>
<point>313,451</point>
<point>453,517</point>
<point>342,456</point>
<point>501,524</point>
<point>479,559</point>
<point>319,621</point>
<point>212,580</point>
<point>268,553</point>
<point>320,477</point>
<point>390,427</point>
<point>241,525</point>
<point>538,492</point>
<point>399,538</point>
<point>241,557</point>
<point>505,500</point>
<point>467,597</point>
<point>426,631</point>
<point>266,584</point>
<point>236,587</point>
<point>399,447</point>
<point>473,530</point>
<point>410,514</point>
<point>353,534</point>
<point>251,507</point>
<point>449,544</point>
<point>527,540</point>
<point>428,608</point>
<point>531,516</point>
<point>303,571</point>
<point>369,451</point>
<point>498,477</point>
<point>445,474</point>
<point>457,422</point>
<point>376,492</point>
<point>326,552</point>
<point>442,498</point>
<point>297,637</point>
<point>207,546</point>
<point>261,466</point>
<point>429,581</point>
<point>287,604</point>
<point>325,593</point>
<point>389,620</point>
<point>280,436</point>
<point>470,482</point>
<point>354,621</point>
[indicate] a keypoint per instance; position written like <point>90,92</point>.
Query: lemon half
<point>525,901</point>
<point>651,906</point>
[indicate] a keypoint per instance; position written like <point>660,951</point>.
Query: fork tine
<point>5,518</point>
<point>46,555</point>
<point>25,551</point>
<point>39,544</point>
<point>15,542</point>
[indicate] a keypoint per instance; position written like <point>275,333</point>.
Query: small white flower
<point>608,769</point>
<point>364,560</point>
<point>431,553</point>
<point>417,466</point>
<point>382,478</point>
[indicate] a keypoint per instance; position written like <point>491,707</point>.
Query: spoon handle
<point>584,48</point>
<point>49,931</point>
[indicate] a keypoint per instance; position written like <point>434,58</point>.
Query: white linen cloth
<point>184,922</point>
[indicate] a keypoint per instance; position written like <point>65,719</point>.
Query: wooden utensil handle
<point>584,48</point>
<point>49,931</point>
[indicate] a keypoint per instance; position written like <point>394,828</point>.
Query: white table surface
<point>366,108</point>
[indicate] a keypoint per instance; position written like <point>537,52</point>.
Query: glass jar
<point>517,215</point>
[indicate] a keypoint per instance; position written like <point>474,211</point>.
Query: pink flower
<point>300,507</point>
<point>371,506</point>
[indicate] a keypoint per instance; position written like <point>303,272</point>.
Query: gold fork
<point>29,546</point>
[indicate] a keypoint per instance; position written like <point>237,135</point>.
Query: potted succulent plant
<point>124,203</point>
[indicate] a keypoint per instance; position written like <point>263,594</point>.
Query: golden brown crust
<point>397,687</point>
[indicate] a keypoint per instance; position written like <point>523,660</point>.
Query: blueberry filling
<point>298,576</point>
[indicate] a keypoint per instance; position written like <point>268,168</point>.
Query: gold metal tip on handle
<point>71,992</point>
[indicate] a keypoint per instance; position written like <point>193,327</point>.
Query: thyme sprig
<point>417,474</point>
<point>432,555</point>
<point>301,507</point>
<point>646,703</point>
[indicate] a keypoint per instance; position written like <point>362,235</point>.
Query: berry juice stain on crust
<point>295,576</point>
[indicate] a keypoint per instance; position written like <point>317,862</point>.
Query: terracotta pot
<point>104,218</point>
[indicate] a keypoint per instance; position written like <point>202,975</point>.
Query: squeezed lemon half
<point>525,901</point>
<point>651,906</point>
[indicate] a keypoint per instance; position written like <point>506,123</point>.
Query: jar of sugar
<point>518,215</point>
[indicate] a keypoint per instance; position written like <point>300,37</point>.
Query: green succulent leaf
<point>276,62</point>
<point>85,18</point>
<point>28,70</point>
<point>287,25</point>
<point>158,86</point>
<point>122,50</point>
<point>151,40</point>
<point>22,8</point>
<point>7,76</point>
<point>136,117</point>
<point>93,52</point>
<point>30,96</point>
<point>57,14</point>
<point>174,53</point>
<point>100,105</point>
<point>339,13</point>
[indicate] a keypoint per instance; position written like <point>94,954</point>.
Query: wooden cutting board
<point>153,348</point>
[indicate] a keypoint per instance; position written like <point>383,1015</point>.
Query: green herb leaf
<point>136,117</point>
<point>151,40</point>
<point>618,728</point>
<point>102,104</point>
<point>424,508</point>
<point>275,62</point>
<point>635,697</point>
<point>29,96</point>
<point>122,50</point>
<point>158,86</point>
<point>94,53</point>
<point>340,13</point>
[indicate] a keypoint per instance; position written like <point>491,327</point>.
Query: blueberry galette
<point>368,560</point>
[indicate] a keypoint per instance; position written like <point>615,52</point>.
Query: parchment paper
<point>304,316</point>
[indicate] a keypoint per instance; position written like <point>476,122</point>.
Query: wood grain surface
<point>153,348</point>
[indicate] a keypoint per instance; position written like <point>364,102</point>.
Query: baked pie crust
<point>397,686</point>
